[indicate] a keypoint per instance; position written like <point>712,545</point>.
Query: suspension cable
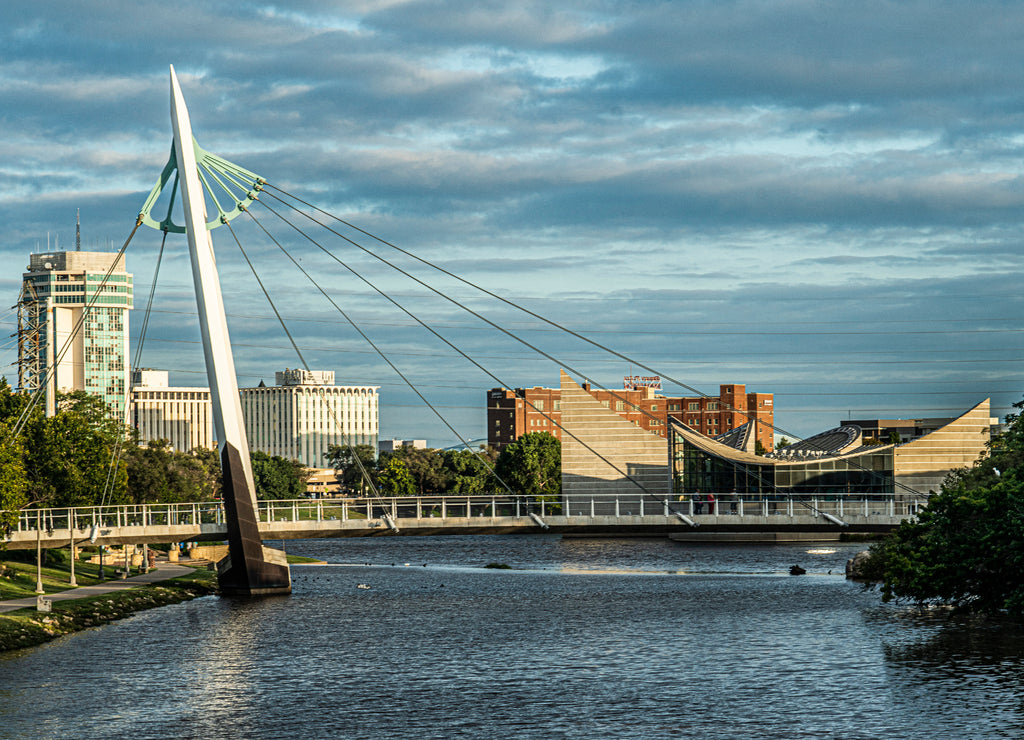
<point>443,339</point>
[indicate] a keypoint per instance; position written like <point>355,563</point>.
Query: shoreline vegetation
<point>27,628</point>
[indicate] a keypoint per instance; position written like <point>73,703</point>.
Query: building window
<point>713,406</point>
<point>556,405</point>
<point>693,405</point>
<point>654,407</point>
<point>620,406</point>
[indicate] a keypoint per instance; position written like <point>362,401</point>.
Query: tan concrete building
<point>612,455</point>
<point>605,453</point>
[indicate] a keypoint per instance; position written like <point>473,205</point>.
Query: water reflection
<point>620,648</point>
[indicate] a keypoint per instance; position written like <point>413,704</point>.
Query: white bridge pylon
<point>252,570</point>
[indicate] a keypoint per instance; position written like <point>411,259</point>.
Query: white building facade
<point>72,321</point>
<point>305,413</point>
<point>182,416</point>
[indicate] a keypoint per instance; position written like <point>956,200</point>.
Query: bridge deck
<point>823,517</point>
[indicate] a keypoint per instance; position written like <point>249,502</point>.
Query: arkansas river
<point>582,638</point>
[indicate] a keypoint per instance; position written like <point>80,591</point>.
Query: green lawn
<point>18,579</point>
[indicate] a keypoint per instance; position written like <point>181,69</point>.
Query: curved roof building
<point>601,454</point>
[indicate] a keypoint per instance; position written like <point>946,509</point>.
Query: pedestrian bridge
<point>732,516</point>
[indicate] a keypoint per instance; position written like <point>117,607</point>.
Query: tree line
<point>966,548</point>
<point>531,466</point>
<point>67,460</point>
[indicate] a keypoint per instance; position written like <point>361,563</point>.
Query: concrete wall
<point>924,463</point>
<point>627,450</point>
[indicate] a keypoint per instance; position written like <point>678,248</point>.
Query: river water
<point>585,638</point>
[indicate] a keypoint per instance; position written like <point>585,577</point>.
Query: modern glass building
<point>73,319</point>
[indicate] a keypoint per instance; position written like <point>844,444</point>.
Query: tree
<point>469,471</point>
<point>352,465</point>
<point>426,466</point>
<point>157,473</point>
<point>395,479</point>
<point>69,457</point>
<point>276,477</point>
<point>966,548</point>
<point>783,442</point>
<point>532,465</point>
<point>12,479</point>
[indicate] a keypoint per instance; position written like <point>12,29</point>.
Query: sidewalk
<point>165,571</point>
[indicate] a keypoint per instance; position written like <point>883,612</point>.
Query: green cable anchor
<point>217,175</point>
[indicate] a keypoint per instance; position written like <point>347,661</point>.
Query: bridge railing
<point>82,518</point>
<point>472,507</point>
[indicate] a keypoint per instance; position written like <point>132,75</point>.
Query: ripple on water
<point>453,650</point>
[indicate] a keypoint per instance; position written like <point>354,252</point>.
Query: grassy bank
<point>18,579</point>
<point>26,627</point>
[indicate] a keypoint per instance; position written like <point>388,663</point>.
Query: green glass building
<point>71,321</point>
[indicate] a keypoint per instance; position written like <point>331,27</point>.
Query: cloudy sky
<point>820,200</point>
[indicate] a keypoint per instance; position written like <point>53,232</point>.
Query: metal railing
<point>621,506</point>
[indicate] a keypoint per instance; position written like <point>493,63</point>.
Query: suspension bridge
<point>207,183</point>
<point>732,516</point>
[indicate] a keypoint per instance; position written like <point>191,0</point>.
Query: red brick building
<point>513,413</point>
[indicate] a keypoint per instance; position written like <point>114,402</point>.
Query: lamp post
<point>39,556</point>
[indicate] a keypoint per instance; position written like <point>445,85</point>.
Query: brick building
<point>513,413</point>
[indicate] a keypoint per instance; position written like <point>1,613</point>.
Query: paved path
<point>164,572</point>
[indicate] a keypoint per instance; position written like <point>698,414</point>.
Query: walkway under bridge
<point>730,517</point>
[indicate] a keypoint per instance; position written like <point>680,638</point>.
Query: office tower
<point>68,320</point>
<point>305,413</point>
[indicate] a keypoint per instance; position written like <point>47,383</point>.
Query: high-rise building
<point>305,413</point>
<point>69,320</point>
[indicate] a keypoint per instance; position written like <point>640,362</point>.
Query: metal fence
<point>633,506</point>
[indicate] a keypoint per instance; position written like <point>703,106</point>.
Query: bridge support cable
<point>40,391</point>
<point>267,190</point>
<point>663,500</point>
<point>432,331</point>
<point>359,463</point>
<point>507,302</point>
<point>115,460</point>
<point>370,284</point>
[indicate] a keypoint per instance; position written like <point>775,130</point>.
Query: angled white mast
<point>250,568</point>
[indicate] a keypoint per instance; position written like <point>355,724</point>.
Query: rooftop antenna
<point>78,229</point>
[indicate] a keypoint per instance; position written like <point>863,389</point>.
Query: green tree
<point>12,478</point>
<point>352,466</point>
<point>469,471</point>
<point>158,473</point>
<point>783,442</point>
<point>532,465</point>
<point>966,548</point>
<point>395,479</point>
<point>69,457</point>
<point>426,466</point>
<point>276,477</point>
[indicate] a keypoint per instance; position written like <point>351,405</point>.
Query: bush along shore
<point>27,627</point>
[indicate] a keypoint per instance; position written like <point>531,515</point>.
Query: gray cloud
<point>840,179</point>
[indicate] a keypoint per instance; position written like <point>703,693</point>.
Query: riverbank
<point>28,628</point>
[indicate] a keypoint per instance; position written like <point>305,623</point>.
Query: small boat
<point>796,570</point>
<point>363,585</point>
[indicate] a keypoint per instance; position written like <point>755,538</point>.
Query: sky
<point>820,200</point>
